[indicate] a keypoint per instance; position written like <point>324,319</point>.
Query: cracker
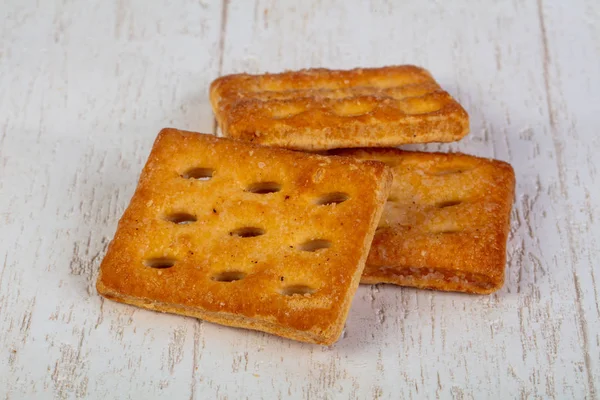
<point>318,109</point>
<point>246,236</point>
<point>445,224</point>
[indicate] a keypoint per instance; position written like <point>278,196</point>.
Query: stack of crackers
<point>273,227</point>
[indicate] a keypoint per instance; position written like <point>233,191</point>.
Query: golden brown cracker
<point>317,109</point>
<point>246,236</point>
<point>445,224</point>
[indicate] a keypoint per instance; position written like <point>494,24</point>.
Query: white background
<point>86,85</point>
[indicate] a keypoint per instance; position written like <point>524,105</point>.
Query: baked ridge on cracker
<point>445,224</point>
<point>246,236</point>
<point>319,109</point>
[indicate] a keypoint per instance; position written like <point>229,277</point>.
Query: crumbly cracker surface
<point>247,236</point>
<point>318,109</point>
<point>445,223</point>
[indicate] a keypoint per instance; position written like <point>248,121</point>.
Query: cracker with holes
<point>445,224</point>
<point>246,236</point>
<point>318,109</point>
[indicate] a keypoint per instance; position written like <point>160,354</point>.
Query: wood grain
<point>85,87</point>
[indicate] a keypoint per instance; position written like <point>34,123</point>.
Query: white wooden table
<point>86,85</point>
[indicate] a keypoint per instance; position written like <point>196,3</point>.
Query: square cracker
<point>318,109</point>
<point>445,224</point>
<point>246,236</point>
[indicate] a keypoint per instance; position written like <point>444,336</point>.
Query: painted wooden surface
<point>86,85</point>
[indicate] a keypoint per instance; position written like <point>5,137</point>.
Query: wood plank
<point>571,82</point>
<point>520,342</point>
<point>84,89</point>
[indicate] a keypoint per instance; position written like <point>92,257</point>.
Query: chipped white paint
<point>84,88</point>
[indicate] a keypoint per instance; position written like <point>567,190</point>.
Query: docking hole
<point>181,218</point>
<point>264,187</point>
<point>297,289</point>
<point>160,262</point>
<point>332,198</point>
<point>449,203</point>
<point>315,244</point>
<point>229,276</point>
<point>200,174</point>
<point>247,232</point>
